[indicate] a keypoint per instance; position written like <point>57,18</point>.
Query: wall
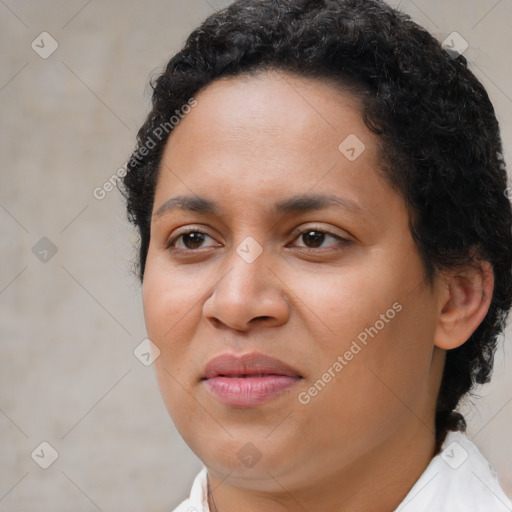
<point>71,319</point>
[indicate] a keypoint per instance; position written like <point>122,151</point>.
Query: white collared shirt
<point>458,479</point>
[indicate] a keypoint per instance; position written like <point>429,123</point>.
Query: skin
<point>366,437</point>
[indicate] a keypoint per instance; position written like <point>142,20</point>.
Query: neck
<point>376,482</point>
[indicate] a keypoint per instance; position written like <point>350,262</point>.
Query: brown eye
<point>193,240</point>
<point>313,238</point>
<point>190,241</point>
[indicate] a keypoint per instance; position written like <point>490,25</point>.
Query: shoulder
<point>458,479</point>
<point>198,500</point>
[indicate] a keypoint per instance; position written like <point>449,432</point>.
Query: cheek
<point>386,347</point>
<point>172,309</point>
<point>380,320</point>
<point>377,385</point>
<point>339,304</point>
<point>168,311</point>
<point>169,297</point>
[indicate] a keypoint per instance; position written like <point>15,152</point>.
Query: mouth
<point>248,380</point>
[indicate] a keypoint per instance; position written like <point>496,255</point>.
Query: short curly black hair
<point>439,137</point>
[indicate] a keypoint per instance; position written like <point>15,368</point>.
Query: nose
<point>248,295</point>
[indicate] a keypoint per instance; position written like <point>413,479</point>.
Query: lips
<point>249,365</point>
<point>248,380</point>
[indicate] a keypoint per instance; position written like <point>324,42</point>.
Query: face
<point>283,287</point>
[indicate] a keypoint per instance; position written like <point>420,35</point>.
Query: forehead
<point>290,109</point>
<point>269,134</point>
<point>269,115</point>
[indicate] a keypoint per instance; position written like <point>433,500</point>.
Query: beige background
<point>69,326</point>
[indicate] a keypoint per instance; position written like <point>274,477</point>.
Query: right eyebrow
<point>191,203</point>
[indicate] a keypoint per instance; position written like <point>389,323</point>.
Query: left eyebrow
<point>295,204</point>
<point>309,202</point>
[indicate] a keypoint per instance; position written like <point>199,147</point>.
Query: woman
<point>325,258</point>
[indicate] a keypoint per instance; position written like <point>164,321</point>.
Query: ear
<point>465,300</point>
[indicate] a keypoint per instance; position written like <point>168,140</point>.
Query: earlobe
<point>464,303</point>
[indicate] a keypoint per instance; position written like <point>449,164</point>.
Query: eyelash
<point>172,242</point>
